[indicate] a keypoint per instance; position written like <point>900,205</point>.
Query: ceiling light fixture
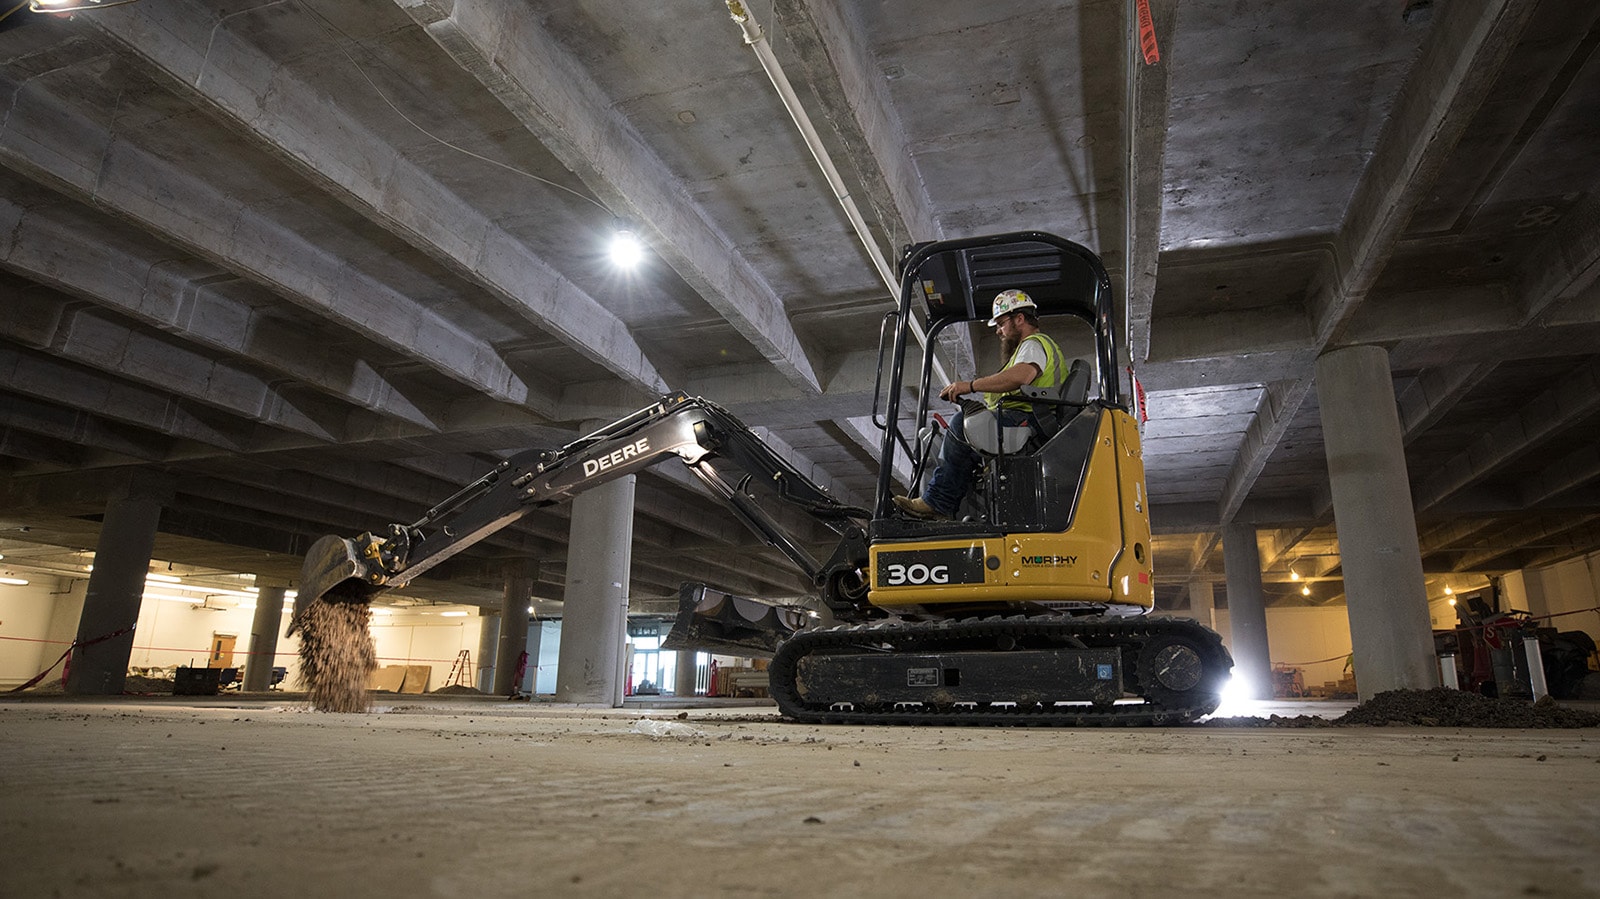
<point>1294,575</point>
<point>1305,591</point>
<point>14,581</point>
<point>626,250</point>
<point>1448,591</point>
<point>163,578</point>
<point>452,614</point>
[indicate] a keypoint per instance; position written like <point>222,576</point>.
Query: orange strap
<point>1147,35</point>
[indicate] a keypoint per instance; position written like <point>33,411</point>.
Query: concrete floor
<point>467,797</point>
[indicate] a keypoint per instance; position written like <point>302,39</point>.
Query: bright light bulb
<point>1448,591</point>
<point>626,251</point>
<point>1294,575</point>
<point>1305,591</point>
<point>452,614</point>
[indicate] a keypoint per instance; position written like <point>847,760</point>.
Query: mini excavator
<point>1029,609</point>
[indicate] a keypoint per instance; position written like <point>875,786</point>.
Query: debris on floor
<point>458,690</point>
<point>1439,707</point>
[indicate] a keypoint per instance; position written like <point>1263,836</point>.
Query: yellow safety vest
<point>1054,372</point>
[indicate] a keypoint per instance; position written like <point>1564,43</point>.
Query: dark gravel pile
<point>1438,707</point>
<point>1441,707</point>
<point>458,689</point>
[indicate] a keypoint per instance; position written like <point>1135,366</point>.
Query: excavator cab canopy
<point>956,281</point>
<point>953,282</point>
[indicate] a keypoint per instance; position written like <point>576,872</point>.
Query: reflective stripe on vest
<point>1055,371</point>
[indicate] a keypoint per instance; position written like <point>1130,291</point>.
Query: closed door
<point>222,650</point>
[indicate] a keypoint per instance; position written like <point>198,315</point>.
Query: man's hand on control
<point>956,391</point>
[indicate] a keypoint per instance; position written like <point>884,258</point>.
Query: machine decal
<point>936,566</point>
<point>1053,561</point>
<point>616,457</point>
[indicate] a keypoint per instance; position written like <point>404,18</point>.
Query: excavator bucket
<point>710,620</point>
<point>332,571</point>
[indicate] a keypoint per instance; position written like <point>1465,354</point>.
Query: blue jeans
<point>958,461</point>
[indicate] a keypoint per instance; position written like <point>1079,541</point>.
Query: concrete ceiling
<point>312,265</point>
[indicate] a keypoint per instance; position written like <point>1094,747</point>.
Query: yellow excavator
<point>1029,608</point>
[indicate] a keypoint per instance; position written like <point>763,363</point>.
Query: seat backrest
<point>1075,389</point>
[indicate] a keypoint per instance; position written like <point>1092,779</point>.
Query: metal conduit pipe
<point>757,40</point>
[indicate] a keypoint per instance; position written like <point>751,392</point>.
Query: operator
<point>1033,359</point>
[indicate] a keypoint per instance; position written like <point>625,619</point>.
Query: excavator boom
<point>703,436</point>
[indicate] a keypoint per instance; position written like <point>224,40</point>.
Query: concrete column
<point>116,588</point>
<point>264,630</point>
<point>488,647</point>
<point>513,625</point>
<point>683,681</point>
<point>1247,611</point>
<point>1203,603</point>
<point>594,619</point>
<point>1385,591</point>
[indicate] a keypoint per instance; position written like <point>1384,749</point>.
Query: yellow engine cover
<point>1102,557</point>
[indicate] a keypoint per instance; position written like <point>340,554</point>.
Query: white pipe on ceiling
<point>757,40</point>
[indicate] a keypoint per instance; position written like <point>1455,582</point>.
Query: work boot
<point>917,507</point>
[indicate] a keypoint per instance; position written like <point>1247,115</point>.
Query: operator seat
<point>1060,404</point>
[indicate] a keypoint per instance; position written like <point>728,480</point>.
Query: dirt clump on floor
<point>337,655</point>
<point>458,690</point>
<point>1438,707</point>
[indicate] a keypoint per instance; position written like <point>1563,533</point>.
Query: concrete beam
<point>1570,472</point>
<point>57,145</point>
<point>186,46</point>
<point>1280,402</point>
<point>55,381</point>
<point>1575,398</point>
<point>1564,266</point>
<point>507,48</point>
<point>1146,112</point>
<point>82,429</point>
<point>1436,392</point>
<point>86,337</point>
<point>847,80</point>
<point>1449,82</point>
<point>67,251</point>
<point>1517,538</point>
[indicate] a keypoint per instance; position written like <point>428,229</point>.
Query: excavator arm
<point>703,436</point>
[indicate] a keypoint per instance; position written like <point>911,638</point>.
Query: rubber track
<point>929,636</point>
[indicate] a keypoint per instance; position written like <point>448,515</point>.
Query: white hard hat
<point>1010,301</point>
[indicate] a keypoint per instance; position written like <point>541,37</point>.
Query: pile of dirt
<point>140,684</point>
<point>458,690</point>
<point>337,655</point>
<point>1439,707</point>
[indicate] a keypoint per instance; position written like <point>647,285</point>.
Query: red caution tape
<point>76,643</point>
<point>1147,35</point>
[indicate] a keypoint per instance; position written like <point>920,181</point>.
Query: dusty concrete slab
<point>245,797</point>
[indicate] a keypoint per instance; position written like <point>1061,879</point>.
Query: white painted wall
<point>25,629</point>
<point>426,638</point>
<point>1571,587</point>
<point>1316,640</point>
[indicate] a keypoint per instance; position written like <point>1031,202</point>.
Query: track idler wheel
<point>1176,670</point>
